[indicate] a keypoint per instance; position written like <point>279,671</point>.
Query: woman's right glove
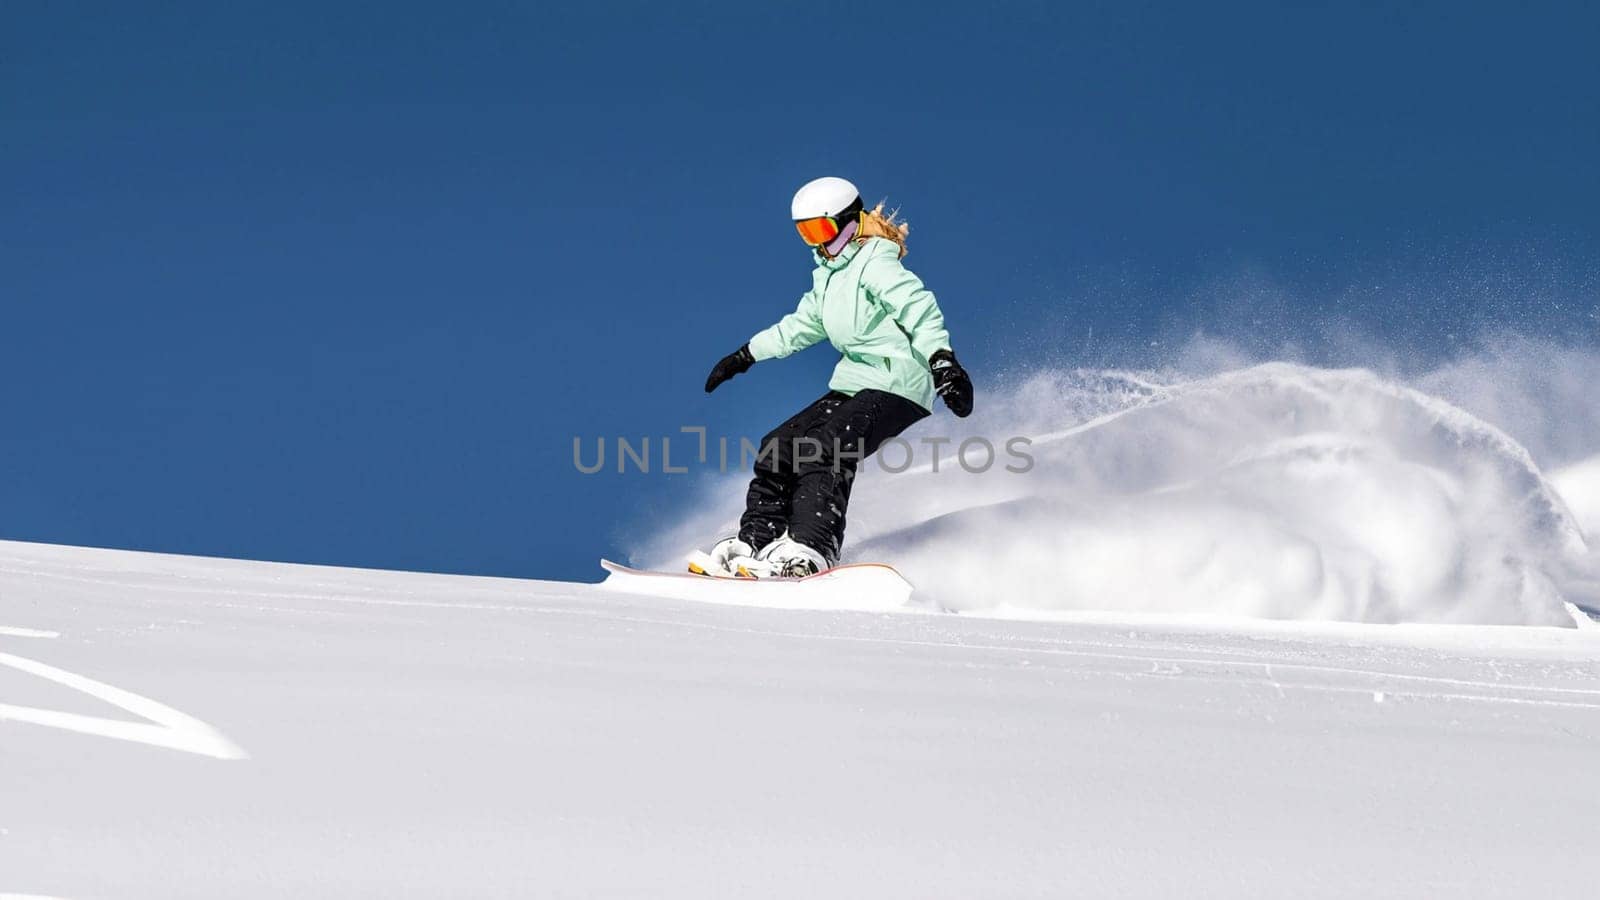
<point>734,363</point>
<point>951,381</point>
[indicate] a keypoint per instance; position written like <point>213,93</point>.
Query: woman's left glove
<point>952,383</point>
<point>735,363</point>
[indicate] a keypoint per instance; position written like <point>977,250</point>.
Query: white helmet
<point>829,196</point>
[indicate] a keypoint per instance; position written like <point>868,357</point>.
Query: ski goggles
<point>820,230</point>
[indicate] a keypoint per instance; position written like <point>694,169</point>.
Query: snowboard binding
<point>784,558</point>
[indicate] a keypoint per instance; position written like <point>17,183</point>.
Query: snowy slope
<point>343,733</point>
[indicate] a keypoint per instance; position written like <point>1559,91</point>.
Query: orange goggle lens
<point>817,231</point>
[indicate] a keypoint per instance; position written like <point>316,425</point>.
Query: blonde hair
<point>877,223</point>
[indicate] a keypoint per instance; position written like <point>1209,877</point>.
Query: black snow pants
<point>806,466</point>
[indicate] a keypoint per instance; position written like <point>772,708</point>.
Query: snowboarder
<point>895,355</point>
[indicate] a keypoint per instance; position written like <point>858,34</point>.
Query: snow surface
<point>184,727</point>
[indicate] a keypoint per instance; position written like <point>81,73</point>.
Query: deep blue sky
<point>340,285</point>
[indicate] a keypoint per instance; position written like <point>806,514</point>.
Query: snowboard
<point>857,586</point>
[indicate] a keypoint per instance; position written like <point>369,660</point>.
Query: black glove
<point>952,383</point>
<point>733,364</point>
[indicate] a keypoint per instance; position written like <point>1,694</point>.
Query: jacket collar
<point>843,259</point>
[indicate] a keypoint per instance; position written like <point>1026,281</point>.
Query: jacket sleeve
<point>796,331</point>
<point>903,295</point>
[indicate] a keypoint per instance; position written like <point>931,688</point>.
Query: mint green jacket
<point>875,312</point>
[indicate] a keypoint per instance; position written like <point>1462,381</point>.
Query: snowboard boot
<point>724,558</point>
<point>788,558</point>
